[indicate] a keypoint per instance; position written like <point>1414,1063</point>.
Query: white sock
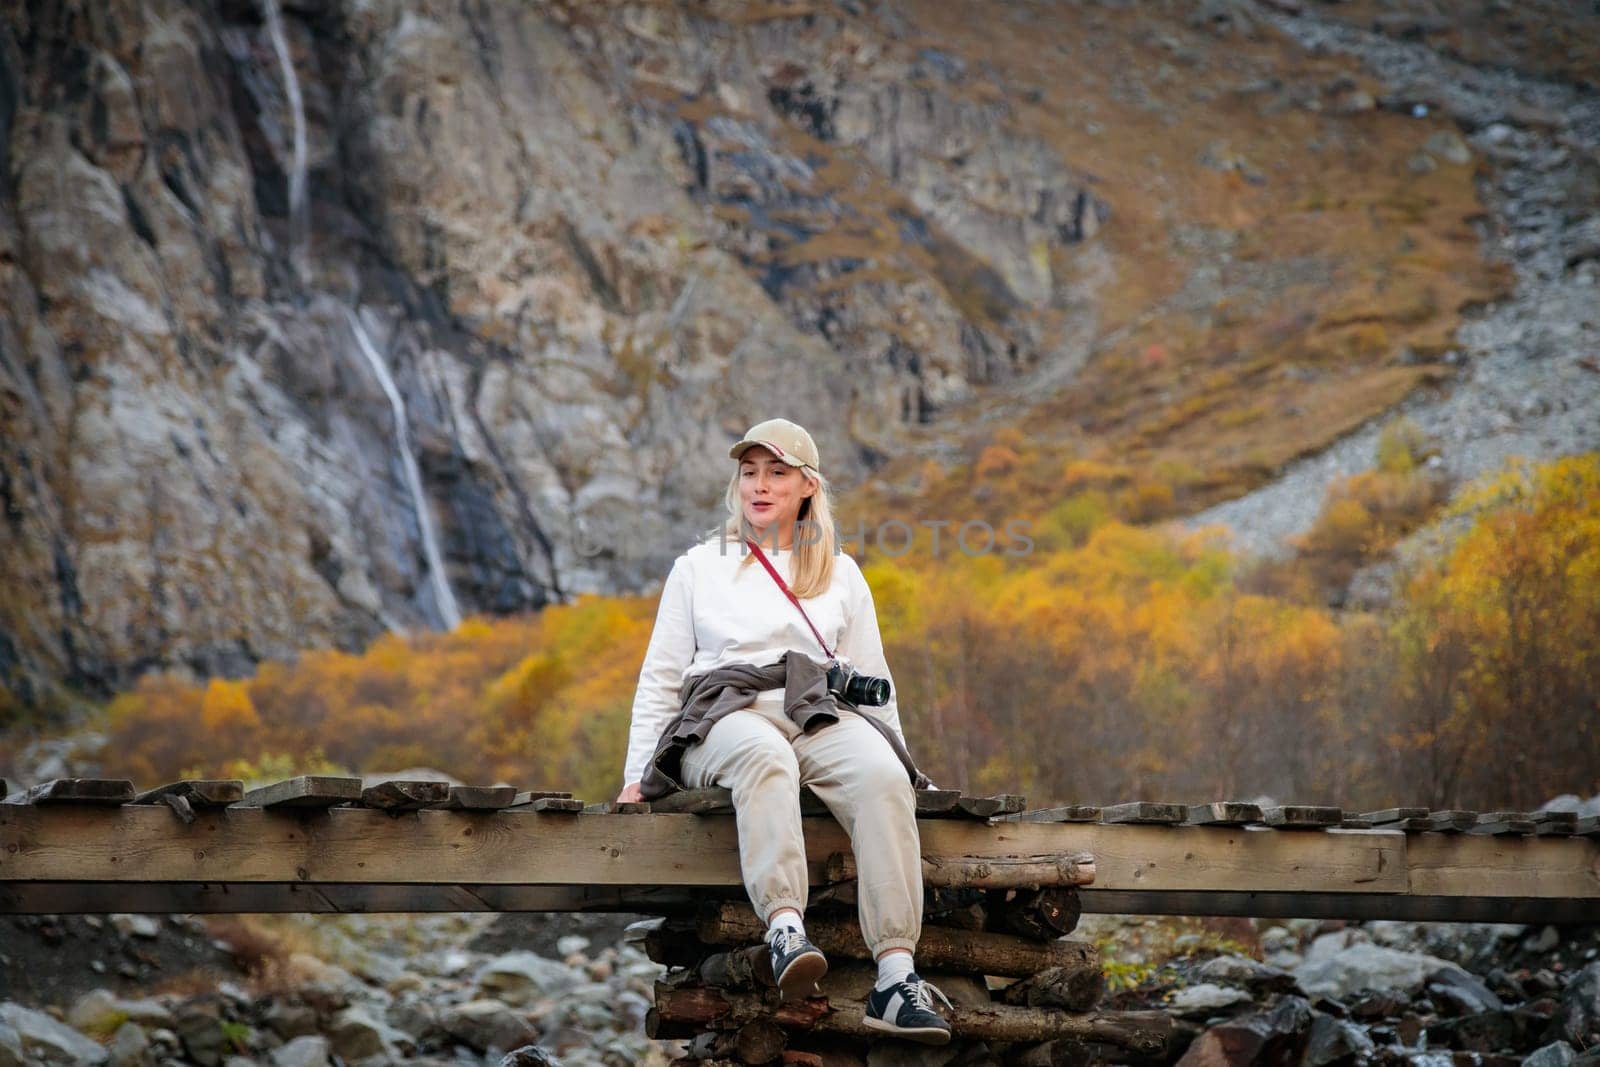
<point>788,918</point>
<point>893,966</point>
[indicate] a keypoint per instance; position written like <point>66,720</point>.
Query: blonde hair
<point>815,543</point>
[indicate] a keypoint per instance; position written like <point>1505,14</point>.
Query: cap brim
<point>742,447</point>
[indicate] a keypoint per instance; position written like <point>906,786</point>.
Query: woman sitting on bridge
<point>746,687</point>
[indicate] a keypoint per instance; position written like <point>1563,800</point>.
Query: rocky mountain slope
<point>323,319</point>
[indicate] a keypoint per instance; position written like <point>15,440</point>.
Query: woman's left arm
<point>862,645</point>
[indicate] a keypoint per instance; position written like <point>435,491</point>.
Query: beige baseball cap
<point>788,441</point>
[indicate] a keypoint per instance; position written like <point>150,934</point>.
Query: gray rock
<point>202,1035</point>
<point>487,1024</point>
<point>11,1054</point>
<point>1346,971</point>
<point>1248,974</point>
<point>144,926</point>
<point>1198,1001</point>
<point>1455,992</point>
<point>102,1011</point>
<point>129,1047</point>
<point>1274,1036</point>
<point>43,1040</point>
<point>354,1034</point>
<point>1555,1054</point>
<point>522,977</point>
<point>1578,1020</point>
<point>1336,1041</point>
<point>307,1050</point>
<point>289,1018</point>
<point>529,1056</point>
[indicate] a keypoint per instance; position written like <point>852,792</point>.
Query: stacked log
<point>1022,991</point>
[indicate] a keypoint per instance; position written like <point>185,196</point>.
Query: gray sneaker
<point>797,964</point>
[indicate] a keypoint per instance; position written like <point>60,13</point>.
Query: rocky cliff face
<point>338,317</point>
<point>258,263</point>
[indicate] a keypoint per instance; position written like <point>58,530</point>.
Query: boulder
<point>1336,1041</point>
<point>522,977</point>
<point>1341,972</point>
<point>144,926</point>
<point>354,1034</point>
<point>1248,974</point>
<point>1275,1036</point>
<point>1455,992</point>
<point>1555,1054</point>
<point>307,1050</point>
<point>1198,1001</point>
<point>101,1011</point>
<point>1578,1019</point>
<point>129,1047</point>
<point>43,1040</point>
<point>485,1024</point>
<point>200,1029</point>
<point>529,1056</point>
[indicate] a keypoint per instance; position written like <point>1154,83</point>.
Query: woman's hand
<point>630,792</point>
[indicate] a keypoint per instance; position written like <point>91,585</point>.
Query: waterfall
<point>449,612</point>
<point>299,231</point>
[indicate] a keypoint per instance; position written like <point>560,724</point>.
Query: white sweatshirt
<point>713,613</point>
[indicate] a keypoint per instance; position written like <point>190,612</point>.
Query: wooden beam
<point>1354,906</point>
<point>940,947</point>
<point>220,898</point>
<point>241,844</point>
<point>688,1011</point>
<point>199,792</point>
<point>108,791</point>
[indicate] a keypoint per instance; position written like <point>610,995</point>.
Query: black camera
<point>844,682</point>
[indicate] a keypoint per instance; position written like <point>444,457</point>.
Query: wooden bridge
<point>331,844</point>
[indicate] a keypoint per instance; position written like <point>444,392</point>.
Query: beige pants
<point>764,759</point>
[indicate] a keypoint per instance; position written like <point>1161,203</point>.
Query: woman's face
<point>770,491</point>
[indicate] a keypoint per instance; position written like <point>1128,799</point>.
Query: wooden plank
<point>987,807</point>
<point>240,844</point>
<point>198,792</point>
<point>528,796</point>
<point>1503,822</point>
<point>1554,823</point>
<point>553,805</point>
<point>1451,822</point>
<point>306,791</point>
<point>1587,826</point>
<point>695,802</point>
<point>213,898</point>
<point>1301,817</point>
<point>1389,815</point>
<point>103,791</point>
<point>617,807</point>
<point>1353,821</point>
<point>479,798</point>
<point>400,795</point>
<point>1222,813</point>
<point>935,802</point>
<point>1411,820</point>
<point>1145,812</point>
<point>1068,813</point>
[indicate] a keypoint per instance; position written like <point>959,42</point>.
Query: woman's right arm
<point>671,650</point>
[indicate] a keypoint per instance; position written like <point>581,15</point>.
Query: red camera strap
<point>765,562</point>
